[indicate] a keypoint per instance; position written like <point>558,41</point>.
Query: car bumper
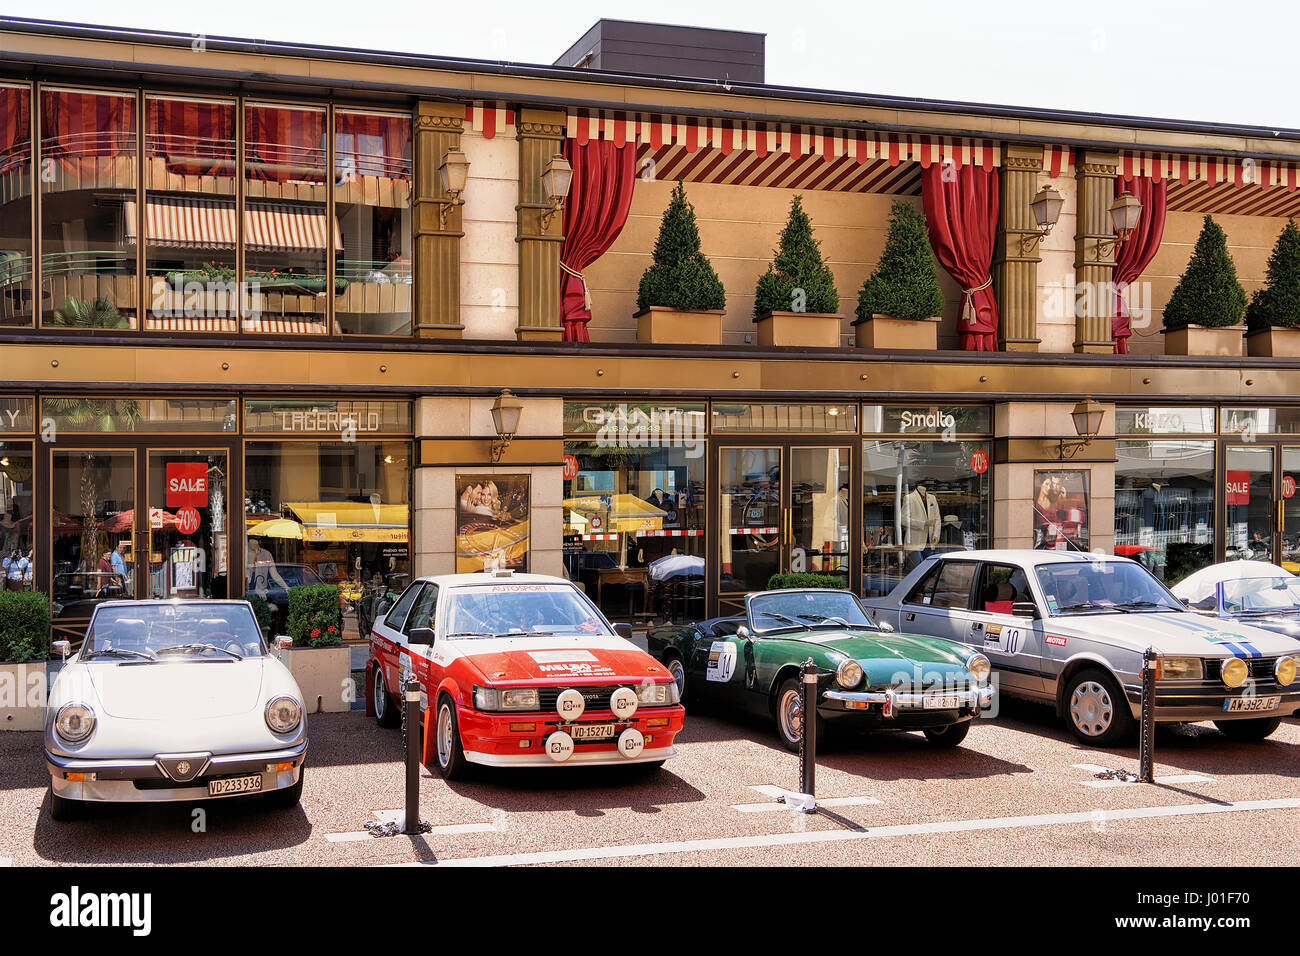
<point>896,702</point>
<point>142,781</point>
<point>579,758</point>
<point>1206,703</point>
<point>489,738</point>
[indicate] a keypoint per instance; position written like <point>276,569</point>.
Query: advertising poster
<point>1061,510</point>
<point>492,514</point>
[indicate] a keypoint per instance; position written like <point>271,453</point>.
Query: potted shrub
<point>1273,316</point>
<point>24,649</point>
<point>318,658</point>
<point>1203,315</point>
<point>795,302</point>
<point>680,299</point>
<point>900,304</point>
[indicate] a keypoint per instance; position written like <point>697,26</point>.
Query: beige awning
<point>210,224</point>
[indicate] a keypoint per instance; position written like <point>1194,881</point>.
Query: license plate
<point>1233,705</point>
<point>224,788</point>
<point>940,702</point>
<point>592,731</point>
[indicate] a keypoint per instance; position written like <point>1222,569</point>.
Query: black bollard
<point>1147,745</point>
<point>808,728</point>
<point>412,727</point>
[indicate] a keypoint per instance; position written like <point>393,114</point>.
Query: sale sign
<point>1238,487</point>
<point>979,462</point>
<point>570,468</point>
<point>187,484</point>
<point>187,521</point>
<point>1288,486</point>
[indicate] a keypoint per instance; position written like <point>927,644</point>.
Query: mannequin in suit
<point>921,520</point>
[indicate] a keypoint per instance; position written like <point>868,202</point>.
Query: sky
<point>1209,62</point>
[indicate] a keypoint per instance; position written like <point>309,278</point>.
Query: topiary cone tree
<point>1208,294</point>
<point>798,280</point>
<point>680,277</point>
<point>1277,305</point>
<point>905,284</point>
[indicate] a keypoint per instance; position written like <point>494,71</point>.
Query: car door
<point>1013,644</point>
<point>414,657</point>
<point>717,659</point>
<point>387,637</point>
<point>939,605</point>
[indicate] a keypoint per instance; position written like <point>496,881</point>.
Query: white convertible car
<point>173,701</point>
<point>1070,629</point>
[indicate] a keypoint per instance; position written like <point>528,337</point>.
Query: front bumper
<point>143,781</point>
<point>895,701</point>
<point>901,710</point>
<point>487,738</point>
<point>1204,701</point>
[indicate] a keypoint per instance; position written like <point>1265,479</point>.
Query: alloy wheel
<point>1091,709</point>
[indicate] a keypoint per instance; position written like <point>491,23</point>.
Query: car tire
<point>387,713</point>
<point>782,704</point>
<point>63,809</point>
<point>289,797</point>
<point>1097,710</point>
<point>447,752</point>
<point>1255,728</point>
<point>950,736</point>
<point>678,671</point>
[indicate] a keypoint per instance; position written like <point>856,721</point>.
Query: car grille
<point>1261,668</point>
<point>595,695</point>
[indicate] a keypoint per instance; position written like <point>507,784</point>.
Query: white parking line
<point>1089,817</point>
<point>355,837</point>
<point>832,802</point>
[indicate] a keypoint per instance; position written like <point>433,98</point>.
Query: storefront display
<point>17,535</point>
<point>492,522</point>
<point>1061,510</point>
<point>1164,505</point>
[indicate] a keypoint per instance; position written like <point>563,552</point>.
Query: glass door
<point>818,512</point>
<point>186,534</point>
<point>1289,546</point>
<point>1249,494</point>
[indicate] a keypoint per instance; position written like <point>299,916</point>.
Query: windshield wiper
<point>200,647</point>
<point>119,652</point>
<point>785,620</point>
<point>1134,605</point>
<point>1092,605</point>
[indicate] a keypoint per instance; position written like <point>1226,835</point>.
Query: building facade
<point>258,303</point>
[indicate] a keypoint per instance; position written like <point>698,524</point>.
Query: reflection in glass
<point>819,492</point>
<point>15,205</point>
<point>1249,493</point>
<point>17,534</point>
<point>189,545</point>
<point>1164,505</point>
<point>92,531</point>
<point>749,484</point>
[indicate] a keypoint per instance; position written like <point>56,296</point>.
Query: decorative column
<point>437,247</point>
<point>1093,295</point>
<point>1015,273</point>
<point>541,136</point>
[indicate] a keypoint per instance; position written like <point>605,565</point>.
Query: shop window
<point>88,190</point>
<point>15,206</point>
<point>920,498</point>
<point>332,512</point>
<point>92,414</point>
<point>92,532</point>
<point>785,418</point>
<point>17,533</point>
<point>372,199</point>
<point>1164,505</point>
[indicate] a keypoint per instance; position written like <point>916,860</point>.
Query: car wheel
<point>447,749</point>
<point>289,797</point>
<point>1097,709</point>
<point>1256,728</point>
<point>788,706</point>
<point>949,736</point>
<point>386,712</point>
<point>63,809</point>
<point>678,671</point>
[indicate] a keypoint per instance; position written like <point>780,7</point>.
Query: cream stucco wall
<point>489,267</point>
<point>1056,272</point>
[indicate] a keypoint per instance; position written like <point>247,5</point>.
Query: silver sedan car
<point>1070,629</point>
<point>173,701</point>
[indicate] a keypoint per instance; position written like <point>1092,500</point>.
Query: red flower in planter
<point>316,633</point>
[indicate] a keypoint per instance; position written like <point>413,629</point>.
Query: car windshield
<point>191,630</point>
<point>805,610</point>
<point>1261,595</point>
<point>521,610</point>
<point>1102,587</point>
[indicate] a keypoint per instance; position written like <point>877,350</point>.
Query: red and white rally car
<point>519,670</point>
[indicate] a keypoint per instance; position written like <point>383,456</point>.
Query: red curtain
<point>15,128</point>
<point>961,212</point>
<point>369,144</point>
<point>75,125</point>
<point>1136,252</point>
<point>594,214</point>
<point>284,143</point>
<point>197,138</point>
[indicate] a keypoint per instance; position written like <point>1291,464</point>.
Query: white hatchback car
<point>173,701</point>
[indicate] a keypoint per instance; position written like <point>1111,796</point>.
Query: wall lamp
<point>1087,416</point>
<point>1124,214</point>
<point>505,420</point>
<point>556,179</point>
<point>1046,207</point>
<point>454,172</point>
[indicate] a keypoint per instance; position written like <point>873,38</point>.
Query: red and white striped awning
<point>1058,161</point>
<point>272,325</point>
<point>154,323</point>
<point>779,170</point>
<point>489,117</point>
<point>210,224</point>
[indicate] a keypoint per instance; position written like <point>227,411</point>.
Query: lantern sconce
<point>506,411</point>
<point>556,179</point>
<point>1046,207</point>
<point>1124,214</point>
<point>454,172</point>
<point>1087,417</point>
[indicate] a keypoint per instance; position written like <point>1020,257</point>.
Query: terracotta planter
<point>323,675</point>
<point>22,696</point>
<point>1198,340</point>
<point>887,332</point>
<point>660,326</point>
<point>815,330</point>
<point>1275,342</point>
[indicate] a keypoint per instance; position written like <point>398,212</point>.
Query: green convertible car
<point>868,676</point>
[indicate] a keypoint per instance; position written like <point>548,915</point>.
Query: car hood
<point>172,690</point>
<point>867,645</point>
<point>559,660</point>
<point>1176,633</point>
<point>1281,623</point>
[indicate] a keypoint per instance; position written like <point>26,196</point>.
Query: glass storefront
<point>1164,505</point>
<point>17,511</point>
<point>15,206</point>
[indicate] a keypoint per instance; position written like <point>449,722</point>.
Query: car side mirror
<point>62,648</point>
<point>742,632</point>
<point>1025,609</point>
<point>885,626</point>
<point>421,635</point>
<point>623,630</point>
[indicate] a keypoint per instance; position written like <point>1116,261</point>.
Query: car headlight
<point>74,722</point>
<point>979,667</point>
<point>1180,668</point>
<point>657,694</point>
<point>283,715</point>
<point>509,698</point>
<point>1234,672</point>
<point>1285,669</point>
<point>849,674</point>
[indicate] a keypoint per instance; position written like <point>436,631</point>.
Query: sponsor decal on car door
<point>1013,644</point>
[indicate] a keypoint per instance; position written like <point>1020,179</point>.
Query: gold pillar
<point>437,247</point>
<point>1015,273</point>
<point>1093,292</point>
<point>541,136</point>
